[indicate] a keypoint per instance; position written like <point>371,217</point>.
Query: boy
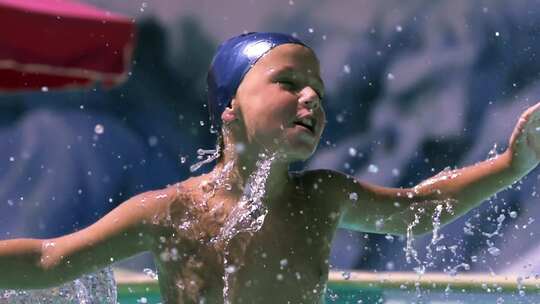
<point>265,95</point>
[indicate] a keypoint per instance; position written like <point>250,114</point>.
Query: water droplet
<point>230,269</point>
<point>149,272</point>
<point>494,251</point>
<point>210,156</point>
<point>44,89</point>
<point>399,28</point>
<point>48,244</point>
<point>153,141</point>
<point>379,224</point>
<point>390,76</point>
<point>352,152</point>
<point>143,6</point>
<point>493,152</point>
<point>346,69</point>
<point>99,129</point>
<point>353,196</point>
<point>497,34</point>
<point>346,275</point>
<point>142,300</point>
<point>513,214</point>
<point>373,168</point>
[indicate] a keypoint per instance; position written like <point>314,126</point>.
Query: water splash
<point>411,254</point>
<point>454,270</point>
<point>247,216</point>
<point>220,180</point>
<point>500,220</point>
<point>492,154</point>
<point>99,287</point>
<point>410,251</point>
<point>211,155</point>
<point>436,238</point>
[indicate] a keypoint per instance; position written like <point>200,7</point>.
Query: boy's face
<point>279,102</point>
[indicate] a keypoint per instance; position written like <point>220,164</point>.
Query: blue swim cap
<point>231,62</point>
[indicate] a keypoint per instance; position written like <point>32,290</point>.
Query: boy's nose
<point>309,98</point>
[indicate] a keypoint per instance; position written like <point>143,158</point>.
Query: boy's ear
<point>229,114</point>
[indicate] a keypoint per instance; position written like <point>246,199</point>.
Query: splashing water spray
<point>411,254</point>
<point>211,155</point>
<point>247,216</point>
<point>99,287</point>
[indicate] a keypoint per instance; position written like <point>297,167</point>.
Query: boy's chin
<point>295,155</point>
<point>291,151</point>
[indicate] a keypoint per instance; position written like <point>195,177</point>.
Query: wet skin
<point>286,261</point>
<point>281,88</point>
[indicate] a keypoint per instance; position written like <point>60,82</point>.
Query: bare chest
<point>285,261</point>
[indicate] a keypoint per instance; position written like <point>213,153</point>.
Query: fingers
<point>529,118</point>
<point>532,112</point>
<point>531,115</point>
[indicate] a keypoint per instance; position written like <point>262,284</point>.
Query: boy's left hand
<point>525,140</point>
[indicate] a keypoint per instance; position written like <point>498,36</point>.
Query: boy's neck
<point>235,169</point>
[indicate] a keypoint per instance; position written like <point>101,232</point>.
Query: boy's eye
<point>287,83</point>
<point>291,85</point>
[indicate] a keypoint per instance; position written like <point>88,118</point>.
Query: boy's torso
<point>285,261</point>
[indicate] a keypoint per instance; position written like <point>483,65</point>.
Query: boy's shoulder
<point>184,195</point>
<point>165,204</point>
<point>326,184</point>
<point>319,176</point>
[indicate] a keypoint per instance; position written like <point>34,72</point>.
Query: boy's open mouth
<point>306,122</point>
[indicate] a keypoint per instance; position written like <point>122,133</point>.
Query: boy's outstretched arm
<point>125,231</point>
<point>450,193</point>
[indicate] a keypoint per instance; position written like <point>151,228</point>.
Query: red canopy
<point>60,44</point>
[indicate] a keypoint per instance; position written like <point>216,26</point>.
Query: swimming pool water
<point>341,293</point>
